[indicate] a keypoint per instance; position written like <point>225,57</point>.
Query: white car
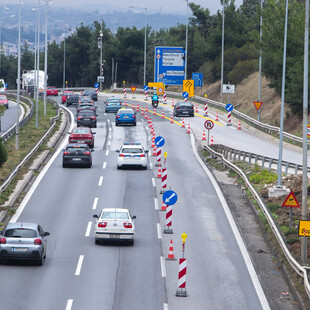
<point>132,154</point>
<point>114,224</point>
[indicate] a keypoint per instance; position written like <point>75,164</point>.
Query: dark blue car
<point>125,116</point>
<point>113,105</point>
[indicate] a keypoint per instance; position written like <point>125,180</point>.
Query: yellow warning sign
<point>188,86</point>
<point>257,104</point>
<point>291,201</point>
<point>155,85</point>
<point>304,228</point>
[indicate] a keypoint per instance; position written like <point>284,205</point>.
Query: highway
<point>78,274</point>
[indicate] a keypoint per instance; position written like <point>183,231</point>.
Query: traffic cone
<point>146,110</point>
<point>153,142</point>
<point>163,206</point>
<point>170,253</point>
<point>212,141</point>
<point>154,111</point>
<point>217,116</point>
<point>126,103</point>
<point>183,123</point>
<point>138,107</point>
<point>142,112</point>
<point>172,103</point>
<point>133,105</point>
<point>196,110</point>
<point>171,119</point>
<point>154,151</point>
<point>145,116</point>
<point>204,136</point>
<point>159,172</point>
<point>162,114</point>
<point>188,129</point>
<point>239,125</point>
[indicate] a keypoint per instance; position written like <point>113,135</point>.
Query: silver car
<point>23,241</point>
<point>114,224</point>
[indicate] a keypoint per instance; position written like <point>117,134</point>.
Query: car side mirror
<point>95,216</point>
<point>134,217</point>
<point>69,132</point>
<point>117,151</point>
<point>63,150</point>
<point>46,233</point>
<point>146,151</point>
<point>92,150</point>
<point>93,133</point>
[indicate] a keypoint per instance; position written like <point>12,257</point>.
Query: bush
<point>3,153</point>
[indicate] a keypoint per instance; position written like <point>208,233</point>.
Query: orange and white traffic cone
<point>171,119</point>
<point>172,103</point>
<point>204,136</point>
<point>188,129</point>
<point>142,112</point>
<point>170,253</point>
<point>183,123</point>
<point>212,141</point>
<point>154,112</point>
<point>239,125</point>
<point>163,206</point>
<point>217,116</point>
<point>138,107</point>
<point>126,103</point>
<point>162,114</point>
<point>196,110</point>
<point>154,151</point>
<point>159,172</point>
<point>153,142</point>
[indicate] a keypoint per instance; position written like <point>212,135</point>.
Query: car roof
<point>22,225</point>
<point>114,210</point>
<point>126,110</point>
<point>131,145</point>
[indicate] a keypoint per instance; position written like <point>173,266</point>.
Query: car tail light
<point>93,117</point>
<point>66,153</point>
<point>133,116</point>
<point>142,155</point>
<point>127,225</point>
<point>80,117</point>
<point>117,116</point>
<point>37,241</point>
<point>121,155</point>
<point>103,224</point>
<point>86,153</point>
<point>3,241</point>
<point>178,108</point>
<point>192,107</point>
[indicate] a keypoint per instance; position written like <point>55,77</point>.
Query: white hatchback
<point>114,224</point>
<point>132,154</point>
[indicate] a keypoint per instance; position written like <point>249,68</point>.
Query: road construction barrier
<point>146,95</point>
<point>228,118</point>
<point>158,157</point>
<point>181,291</point>
<point>170,252</point>
<point>126,104</point>
<point>206,109</point>
<point>124,91</point>
<point>163,181</point>
<point>168,223</point>
<point>165,98</point>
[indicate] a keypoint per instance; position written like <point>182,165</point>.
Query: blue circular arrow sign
<point>185,94</point>
<point>96,85</point>
<point>170,197</point>
<point>229,107</point>
<point>159,141</point>
<point>145,87</point>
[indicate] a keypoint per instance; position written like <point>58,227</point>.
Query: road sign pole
<point>291,217</point>
<point>208,137</point>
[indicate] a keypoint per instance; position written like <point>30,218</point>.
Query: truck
<point>29,79</point>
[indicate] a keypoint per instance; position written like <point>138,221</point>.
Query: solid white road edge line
<point>151,166</point>
<point>79,265</point>
<point>69,304</point>
<point>156,203</point>
<point>88,229</point>
<point>41,175</point>
<point>163,266</point>
<point>95,203</point>
<point>104,165</point>
<point>159,234</point>
<point>153,182</point>
<point>259,290</point>
<point>100,181</point>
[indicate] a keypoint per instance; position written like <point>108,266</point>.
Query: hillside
<point>247,93</point>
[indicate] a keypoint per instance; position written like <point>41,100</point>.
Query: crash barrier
<point>301,270</point>
<point>11,132</point>
<point>269,129</point>
<point>251,158</point>
<point>5,184</point>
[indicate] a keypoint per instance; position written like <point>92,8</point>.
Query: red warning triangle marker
<point>291,201</point>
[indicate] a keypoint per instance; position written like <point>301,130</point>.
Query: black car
<point>86,105</point>
<point>72,99</point>
<point>183,108</point>
<point>86,117</point>
<point>87,99</point>
<point>77,155</point>
<point>90,92</point>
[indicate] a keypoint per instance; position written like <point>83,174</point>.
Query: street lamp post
<point>101,67</point>
<point>260,58</point>
<point>38,68</point>
<point>64,68</point>
<point>186,40</point>
<point>222,66</point>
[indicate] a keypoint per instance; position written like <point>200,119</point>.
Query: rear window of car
<point>115,215</point>
<point>125,112</point>
<point>3,97</point>
<point>81,130</point>
<point>87,113</point>
<point>20,233</point>
<point>185,104</point>
<point>114,101</point>
<point>76,149</point>
<point>132,150</point>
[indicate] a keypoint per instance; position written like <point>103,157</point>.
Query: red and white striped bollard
<point>163,181</point>
<point>168,223</point>
<point>181,291</point>
<point>206,109</point>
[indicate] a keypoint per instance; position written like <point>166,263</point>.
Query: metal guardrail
<point>28,156</point>
<point>301,270</point>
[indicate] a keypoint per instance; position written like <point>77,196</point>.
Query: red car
<point>51,91</point>
<point>82,135</point>
<point>64,96</point>
<point>4,101</point>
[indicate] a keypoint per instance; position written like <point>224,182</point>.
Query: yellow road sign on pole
<point>188,86</point>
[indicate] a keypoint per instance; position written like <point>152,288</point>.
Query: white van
<point>2,85</point>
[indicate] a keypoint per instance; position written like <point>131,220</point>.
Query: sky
<point>163,6</point>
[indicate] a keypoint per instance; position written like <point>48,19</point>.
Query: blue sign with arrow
<point>170,197</point>
<point>229,107</point>
<point>185,94</point>
<point>198,79</point>
<point>145,87</point>
<point>159,141</point>
<point>96,85</point>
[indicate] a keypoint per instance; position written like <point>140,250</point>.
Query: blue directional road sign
<point>198,78</point>
<point>145,87</point>
<point>96,85</point>
<point>159,141</point>
<point>6,85</point>
<point>170,197</point>
<point>185,94</point>
<point>229,107</point>
<point>169,65</point>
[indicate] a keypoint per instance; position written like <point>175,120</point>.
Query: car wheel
<point>40,261</point>
<point>119,167</point>
<point>64,165</point>
<point>92,146</point>
<point>144,168</point>
<point>131,242</point>
<point>134,124</point>
<point>89,165</point>
<point>116,124</point>
<point>97,241</point>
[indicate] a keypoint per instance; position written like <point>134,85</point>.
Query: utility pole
<point>101,67</point>
<point>222,66</point>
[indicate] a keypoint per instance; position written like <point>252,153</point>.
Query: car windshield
<point>132,150</point>
<point>2,97</point>
<point>115,215</point>
<point>20,233</point>
<point>125,111</point>
<point>80,130</point>
<point>76,149</point>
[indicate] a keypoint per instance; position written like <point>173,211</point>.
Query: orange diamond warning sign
<point>133,89</point>
<point>291,201</point>
<point>257,104</point>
